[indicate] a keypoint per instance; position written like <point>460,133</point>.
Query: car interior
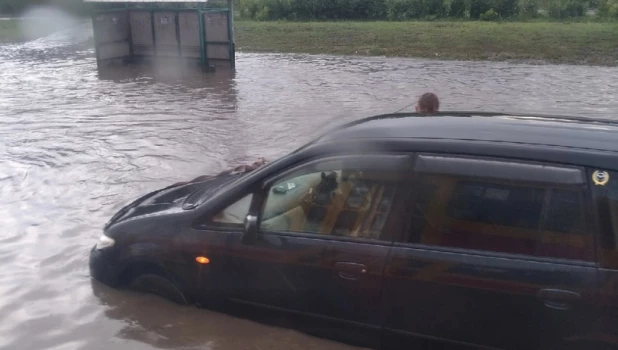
<point>341,203</point>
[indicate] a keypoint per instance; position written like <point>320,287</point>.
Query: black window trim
<point>394,159</point>
<point>504,169</point>
<point>323,237</point>
<point>604,227</point>
<point>498,255</point>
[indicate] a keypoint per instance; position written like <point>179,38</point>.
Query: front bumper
<point>101,267</point>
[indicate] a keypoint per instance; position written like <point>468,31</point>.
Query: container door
<point>166,36</point>
<point>141,33</point>
<point>217,30</point>
<point>112,35</point>
<point>499,254</point>
<point>189,32</point>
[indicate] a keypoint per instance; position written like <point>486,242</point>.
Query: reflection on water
<point>159,324</point>
<point>76,144</point>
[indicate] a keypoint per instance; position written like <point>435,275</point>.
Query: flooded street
<point>76,145</point>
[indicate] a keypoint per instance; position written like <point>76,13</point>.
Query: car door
<point>213,242</point>
<point>498,254</point>
<point>325,231</point>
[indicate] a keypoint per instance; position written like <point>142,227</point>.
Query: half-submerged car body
<point>478,229</point>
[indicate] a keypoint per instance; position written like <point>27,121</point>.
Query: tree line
<point>401,10</point>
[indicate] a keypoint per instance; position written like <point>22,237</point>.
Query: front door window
<point>333,199</point>
<point>235,213</point>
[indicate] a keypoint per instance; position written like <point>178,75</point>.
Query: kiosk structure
<point>133,30</point>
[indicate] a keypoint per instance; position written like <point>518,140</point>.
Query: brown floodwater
<point>76,145</point>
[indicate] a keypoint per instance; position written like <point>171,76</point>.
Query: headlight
<point>104,242</point>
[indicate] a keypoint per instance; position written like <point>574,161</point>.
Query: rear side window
<point>501,215</point>
<point>605,189</point>
<point>497,204</point>
<point>565,212</point>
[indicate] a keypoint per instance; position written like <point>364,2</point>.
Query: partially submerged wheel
<point>158,285</point>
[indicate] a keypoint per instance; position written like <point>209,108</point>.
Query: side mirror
<point>251,229</point>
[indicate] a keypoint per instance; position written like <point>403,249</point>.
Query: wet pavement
<point>76,145</point>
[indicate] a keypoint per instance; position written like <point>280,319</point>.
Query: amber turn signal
<point>202,260</point>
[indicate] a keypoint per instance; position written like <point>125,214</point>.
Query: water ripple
<point>77,144</point>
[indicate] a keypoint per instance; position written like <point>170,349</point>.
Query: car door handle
<point>558,299</point>
<point>350,271</point>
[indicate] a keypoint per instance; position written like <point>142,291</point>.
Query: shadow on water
<point>189,75</point>
<point>163,325</point>
<point>180,78</point>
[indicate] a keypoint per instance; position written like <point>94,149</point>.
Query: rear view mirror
<point>251,229</point>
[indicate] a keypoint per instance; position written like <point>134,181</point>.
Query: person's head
<point>428,103</point>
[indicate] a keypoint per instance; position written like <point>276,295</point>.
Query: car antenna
<point>410,105</point>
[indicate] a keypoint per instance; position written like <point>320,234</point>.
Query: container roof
<point>125,1</point>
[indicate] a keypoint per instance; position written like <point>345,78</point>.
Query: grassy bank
<point>9,31</point>
<point>575,43</point>
<point>14,30</point>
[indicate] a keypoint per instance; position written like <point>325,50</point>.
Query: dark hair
<point>429,103</point>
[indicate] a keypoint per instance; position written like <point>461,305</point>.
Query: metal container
<point>138,29</point>
<point>217,32</point>
<point>141,33</point>
<point>189,30</point>
<point>112,38</point>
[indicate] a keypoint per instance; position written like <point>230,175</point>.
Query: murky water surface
<point>76,145</point>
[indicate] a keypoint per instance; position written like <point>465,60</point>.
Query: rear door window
<point>565,212</point>
<point>497,204</point>
<point>515,214</point>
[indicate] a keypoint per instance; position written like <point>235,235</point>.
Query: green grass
<point>9,31</point>
<point>594,43</point>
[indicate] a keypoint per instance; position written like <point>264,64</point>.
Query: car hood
<point>170,197</point>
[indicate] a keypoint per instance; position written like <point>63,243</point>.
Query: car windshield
<point>272,165</point>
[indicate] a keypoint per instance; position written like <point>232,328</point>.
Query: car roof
<point>570,132</point>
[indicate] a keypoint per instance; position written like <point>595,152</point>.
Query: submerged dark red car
<point>472,229</point>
